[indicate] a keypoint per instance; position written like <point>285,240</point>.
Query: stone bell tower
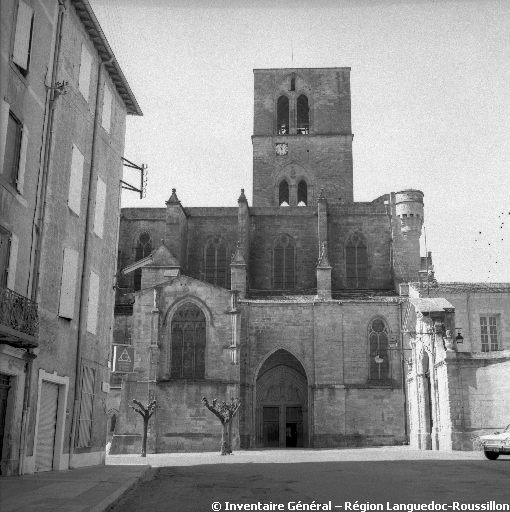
<point>302,138</point>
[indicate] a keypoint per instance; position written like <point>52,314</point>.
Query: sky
<point>430,87</point>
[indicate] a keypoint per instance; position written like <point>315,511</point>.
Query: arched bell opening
<point>281,406</point>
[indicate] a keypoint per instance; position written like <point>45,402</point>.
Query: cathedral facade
<point>291,304</point>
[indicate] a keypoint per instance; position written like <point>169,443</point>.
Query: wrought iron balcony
<point>19,320</point>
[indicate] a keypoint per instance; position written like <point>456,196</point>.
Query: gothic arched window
<point>292,84</point>
<point>302,193</point>
<point>216,262</point>
<point>282,115</point>
<point>283,263</point>
<point>356,262</point>
<point>378,342</point>
<point>187,360</point>
<point>143,249</point>
<point>284,194</point>
<point>303,115</point>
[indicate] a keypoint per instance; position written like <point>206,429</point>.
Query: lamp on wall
<point>459,338</point>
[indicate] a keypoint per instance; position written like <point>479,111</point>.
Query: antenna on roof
<point>292,52</point>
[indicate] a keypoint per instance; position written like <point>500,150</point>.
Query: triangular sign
<point>124,357</point>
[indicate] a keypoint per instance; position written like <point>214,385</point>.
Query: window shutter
<point>100,207</point>
<point>68,284</point>
<point>85,67</point>
<point>4,118</point>
<point>107,108</point>
<point>93,303</point>
<point>20,181</point>
<point>75,181</point>
<point>22,38</point>
<point>13,258</point>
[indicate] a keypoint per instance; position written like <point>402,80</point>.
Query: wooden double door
<point>282,426</point>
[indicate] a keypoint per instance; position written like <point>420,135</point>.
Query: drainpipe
<point>30,356</point>
<point>85,265</point>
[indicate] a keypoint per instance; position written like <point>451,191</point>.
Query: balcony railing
<point>19,320</point>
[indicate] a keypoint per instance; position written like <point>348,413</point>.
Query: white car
<point>496,444</point>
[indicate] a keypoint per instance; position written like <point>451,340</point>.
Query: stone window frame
<point>294,260</point>
<point>217,241</point>
<point>137,274</point>
<point>293,172</point>
<point>301,88</point>
<point>186,302</point>
<point>371,355</point>
<point>498,333</point>
<point>348,238</point>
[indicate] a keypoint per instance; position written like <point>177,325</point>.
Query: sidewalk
<point>90,489</point>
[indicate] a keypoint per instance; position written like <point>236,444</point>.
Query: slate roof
<point>311,296</point>
<point>455,287</point>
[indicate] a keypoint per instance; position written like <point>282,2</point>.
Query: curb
<point>108,502</point>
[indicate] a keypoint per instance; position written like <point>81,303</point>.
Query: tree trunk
<point>230,435</point>
<point>144,438</point>
<point>224,440</point>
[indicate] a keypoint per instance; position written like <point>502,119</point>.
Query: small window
<point>303,111</point>
<point>93,304</point>
<point>284,194</point>
<point>292,84</point>
<point>75,181</point>
<point>378,341</point>
<point>489,333</point>
<point>23,38</point>
<point>68,284</point>
<point>5,237</point>
<point>356,262</point>
<point>216,263</point>
<point>107,108</point>
<point>12,149</point>
<point>302,193</point>
<point>283,263</point>
<point>282,116</point>
<point>85,68</point>
<point>143,249</point>
<point>187,359</point>
<point>100,207</point>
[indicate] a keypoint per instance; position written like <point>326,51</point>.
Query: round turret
<point>409,209</point>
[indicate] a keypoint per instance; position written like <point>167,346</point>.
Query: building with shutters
<point>299,304</point>
<point>64,101</point>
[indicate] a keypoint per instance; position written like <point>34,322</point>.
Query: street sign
<point>123,359</point>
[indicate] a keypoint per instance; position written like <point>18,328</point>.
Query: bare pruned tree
<point>145,413</point>
<point>225,412</point>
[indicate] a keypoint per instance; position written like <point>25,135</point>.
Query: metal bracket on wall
<point>143,178</point>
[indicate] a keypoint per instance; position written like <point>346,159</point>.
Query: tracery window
<point>284,194</point>
<point>216,262</point>
<point>187,360</point>
<point>378,342</point>
<point>303,120</point>
<point>284,263</point>
<point>282,116</point>
<point>302,193</point>
<point>356,262</point>
<point>143,249</point>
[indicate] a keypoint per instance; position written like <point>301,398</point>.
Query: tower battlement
<point>409,209</point>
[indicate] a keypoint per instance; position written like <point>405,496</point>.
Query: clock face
<point>282,148</point>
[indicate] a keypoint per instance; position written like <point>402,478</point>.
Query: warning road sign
<point>123,359</point>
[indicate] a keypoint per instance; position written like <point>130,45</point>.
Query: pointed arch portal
<point>281,402</point>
